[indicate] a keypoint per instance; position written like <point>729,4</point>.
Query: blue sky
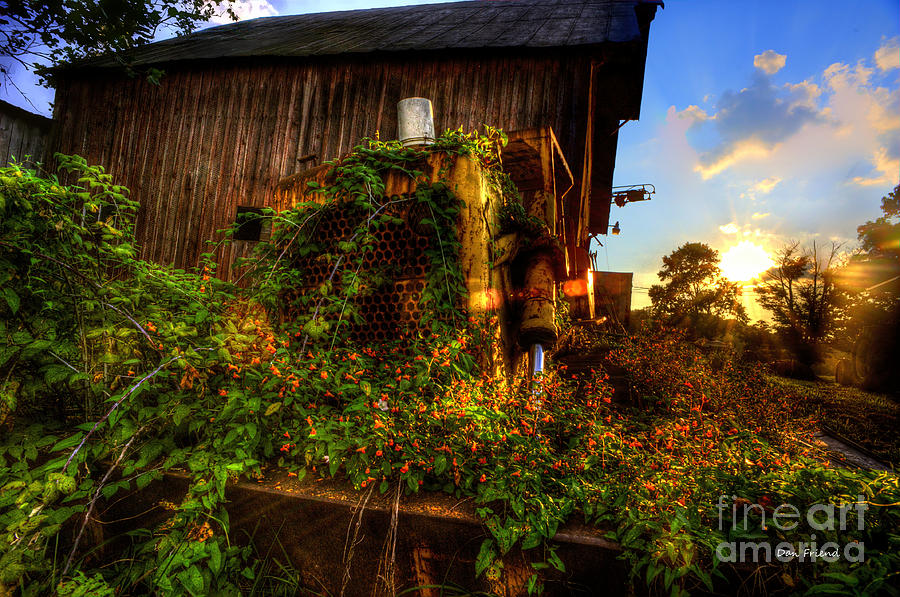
<point>762,122</point>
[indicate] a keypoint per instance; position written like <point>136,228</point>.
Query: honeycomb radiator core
<point>395,261</point>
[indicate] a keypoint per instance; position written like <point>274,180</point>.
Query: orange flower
<point>324,374</point>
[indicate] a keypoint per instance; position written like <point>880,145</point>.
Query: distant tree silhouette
<point>694,290</point>
<point>799,291</point>
<point>880,239</point>
<point>870,288</point>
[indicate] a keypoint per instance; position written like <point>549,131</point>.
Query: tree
<point>881,239</point>
<point>694,288</point>
<point>42,34</point>
<point>869,281</point>
<point>800,293</point>
<point>870,285</point>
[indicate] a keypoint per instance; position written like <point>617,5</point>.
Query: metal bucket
<point>415,121</point>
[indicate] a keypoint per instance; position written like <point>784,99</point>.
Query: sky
<point>762,122</point>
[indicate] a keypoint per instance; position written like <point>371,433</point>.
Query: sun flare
<point>745,261</point>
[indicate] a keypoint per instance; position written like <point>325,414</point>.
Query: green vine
<point>151,371</point>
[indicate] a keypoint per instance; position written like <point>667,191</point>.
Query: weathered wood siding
<point>22,135</point>
<point>212,137</point>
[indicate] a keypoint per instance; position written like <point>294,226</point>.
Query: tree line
<point>815,295</point>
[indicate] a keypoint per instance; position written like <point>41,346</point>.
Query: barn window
<point>249,223</point>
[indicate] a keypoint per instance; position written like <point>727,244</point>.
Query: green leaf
<point>192,579</point>
<point>844,578</point>
<point>272,409</point>
<point>144,479</point>
<point>532,584</point>
<point>486,556</point>
<point>215,558</point>
<point>826,588</point>
<point>554,561</point>
<point>56,373</point>
<point>39,345</point>
<point>180,413</point>
<point>12,299</point>
<point>69,442</point>
<point>653,569</point>
<point>531,540</point>
<point>6,352</point>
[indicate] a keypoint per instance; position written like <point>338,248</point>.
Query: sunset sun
<point>745,261</point>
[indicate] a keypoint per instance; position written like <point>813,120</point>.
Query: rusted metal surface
<point>437,538</point>
<point>612,296</point>
<point>537,166</point>
<point>538,324</point>
<point>22,135</point>
<point>395,310</point>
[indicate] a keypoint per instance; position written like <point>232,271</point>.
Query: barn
<point>243,106</point>
<point>22,135</point>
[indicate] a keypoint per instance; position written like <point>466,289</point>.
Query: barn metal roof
<point>472,24</point>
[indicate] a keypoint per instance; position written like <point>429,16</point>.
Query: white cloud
<point>845,121</point>
<point>729,228</point>
<point>770,62</point>
<point>753,122</point>
<point>693,114</point>
<point>766,185</point>
<point>887,170</point>
<point>749,149</point>
<point>244,9</point>
<point>887,57</point>
<point>840,75</point>
<point>788,161</point>
<point>805,93</point>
